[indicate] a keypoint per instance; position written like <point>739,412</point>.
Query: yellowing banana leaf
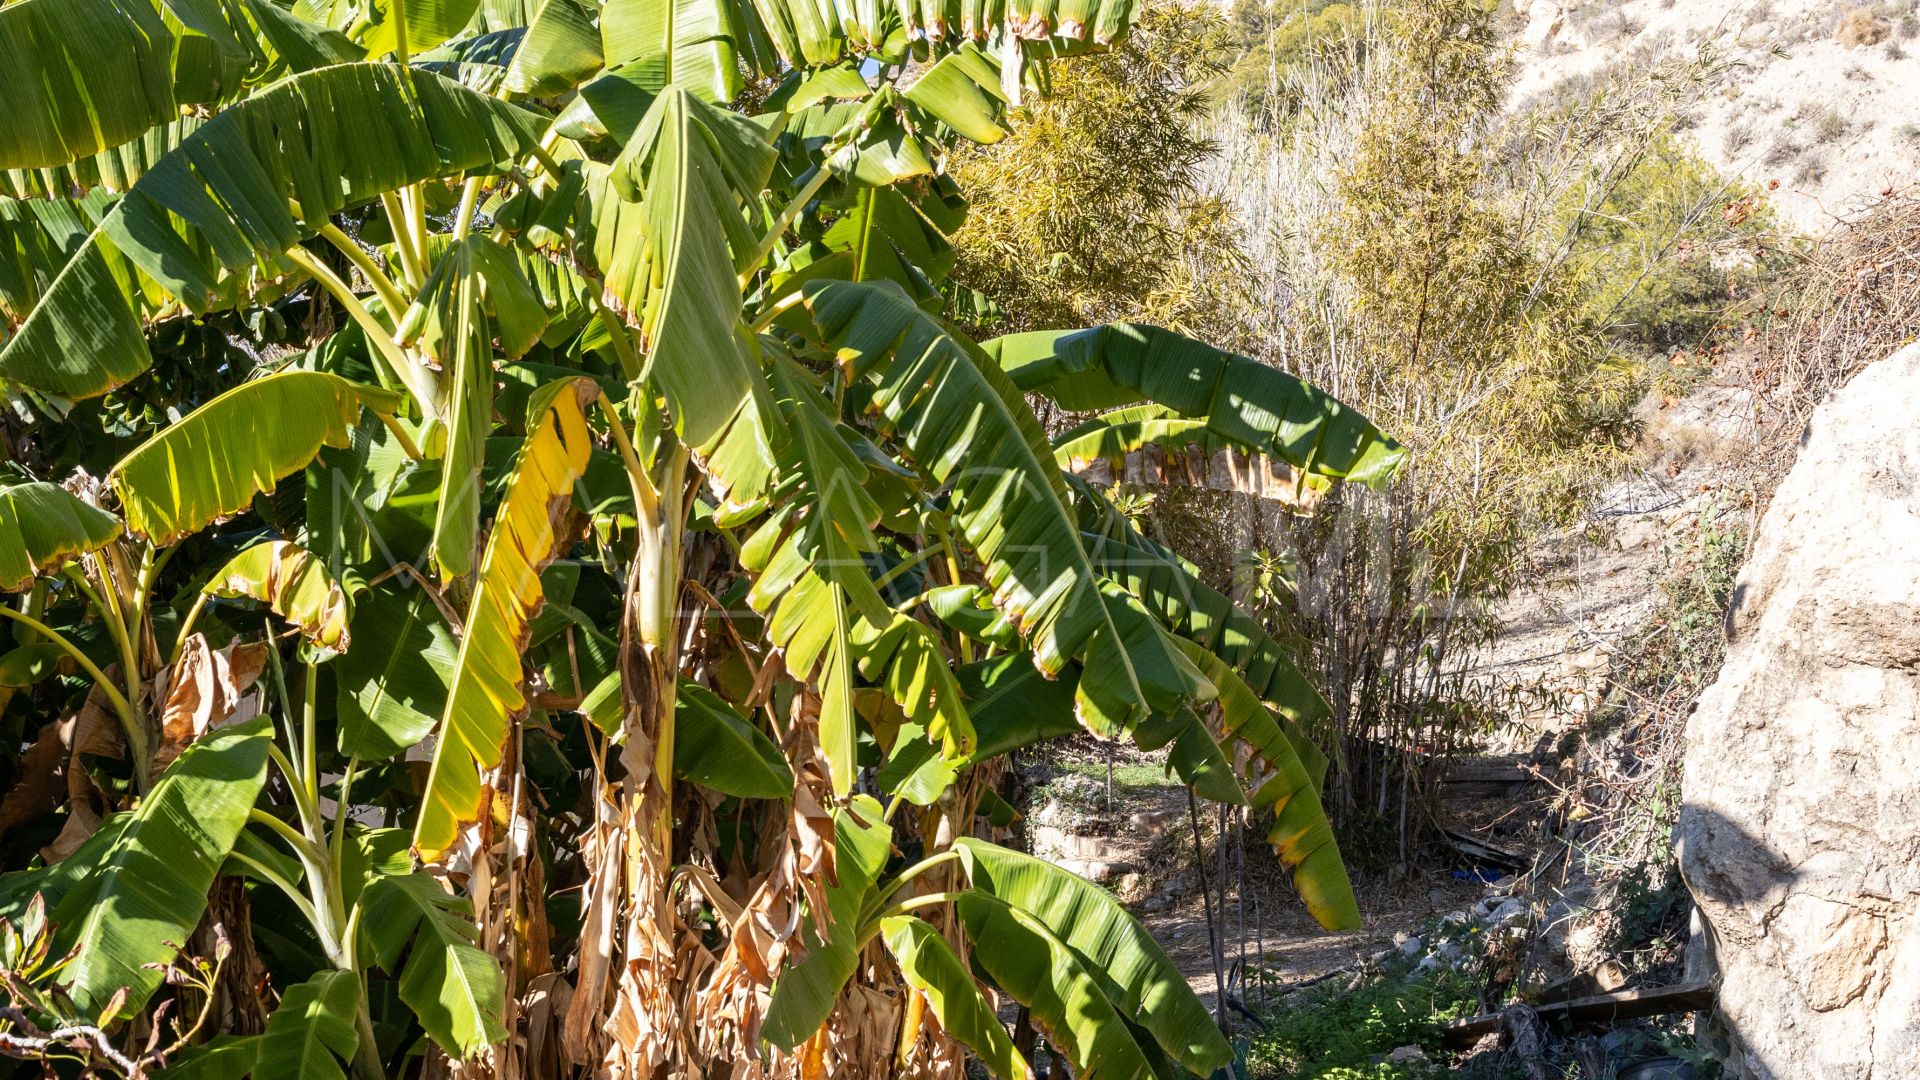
<point>43,527</point>
<point>1301,833</point>
<point>528,532</point>
<point>1258,408</point>
<point>933,969</point>
<point>967,425</point>
<point>1132,972</point>
<point>289,579</point>
<point>216,459</point>
<point>362,129</point>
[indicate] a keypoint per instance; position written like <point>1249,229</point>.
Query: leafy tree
<point>559,597</point>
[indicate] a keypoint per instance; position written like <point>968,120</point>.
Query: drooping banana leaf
<point>1058,986</point>
<point>804,994</point>
<point>561,51</point>
<point>687,43</point>
<point>962,90</point>
<point>715,747</point>
<point>428,22</point>
<point>906,660</point>
<point>529,531</point>
<point>1301,833</point>
<point>933,969</point>
<point>453,987</point>
<point>1195,755</point>
<point>112,170</point>
<point>1193,610</point>
<point>216,459</point>
<point>289,579</point>
<point>311,1035</point>
<point>393,682</point>
<point>43,527</point>
<point>968,426</point>
<point>666,226</point>
<point>1132,971</point>
<point>809,564</point>
<point>222,202</point>
<point>813,627</point>
<point>79,76</point>
<point>147,891</point>
<point>1257,408</point>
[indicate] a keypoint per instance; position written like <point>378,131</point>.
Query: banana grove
<point>510,572</point>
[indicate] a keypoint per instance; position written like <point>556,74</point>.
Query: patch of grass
<point>1126,776</point>
<point>1329,1032</point>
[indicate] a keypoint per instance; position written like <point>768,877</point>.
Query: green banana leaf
<point>393,683</point>
<point>808,561</point>
<point>312,1034</point>
<point>223,1057</point>
<point>218,457</point>
<point>666,226</point>
<point>365,129</point>
<point>687,43</point>
<point>43,527</point>
<point>715,747</point>
<point>1301,833</point>
<point>1193,610</point>
<point>561,51</point>
<point>906,660</point>
<point>1059,987</point>
<point>428,22</point>
<point>144,893</point>
<point>1132,971</point>
<point>529,531</point>
<point>931,967</point>
<point>1257,408</point>
<point>969,427</point>
<point>453,987</point>
<point>79,76</point>
<point>289,579</point>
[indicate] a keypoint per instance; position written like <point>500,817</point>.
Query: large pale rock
<point>1800,830</point>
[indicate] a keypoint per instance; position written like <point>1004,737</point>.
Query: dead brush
<point>1852,299</point>
<point>1860,26</point>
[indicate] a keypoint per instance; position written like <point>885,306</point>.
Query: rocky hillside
<point>1821,97</point>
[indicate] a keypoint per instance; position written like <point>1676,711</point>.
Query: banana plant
<point>562,596</point>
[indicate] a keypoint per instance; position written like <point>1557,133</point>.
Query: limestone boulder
<point>1799,834</point>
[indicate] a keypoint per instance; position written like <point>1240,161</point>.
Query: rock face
<point>1800,829</point>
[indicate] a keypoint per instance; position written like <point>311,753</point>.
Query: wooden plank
<point>1599,1008</point>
